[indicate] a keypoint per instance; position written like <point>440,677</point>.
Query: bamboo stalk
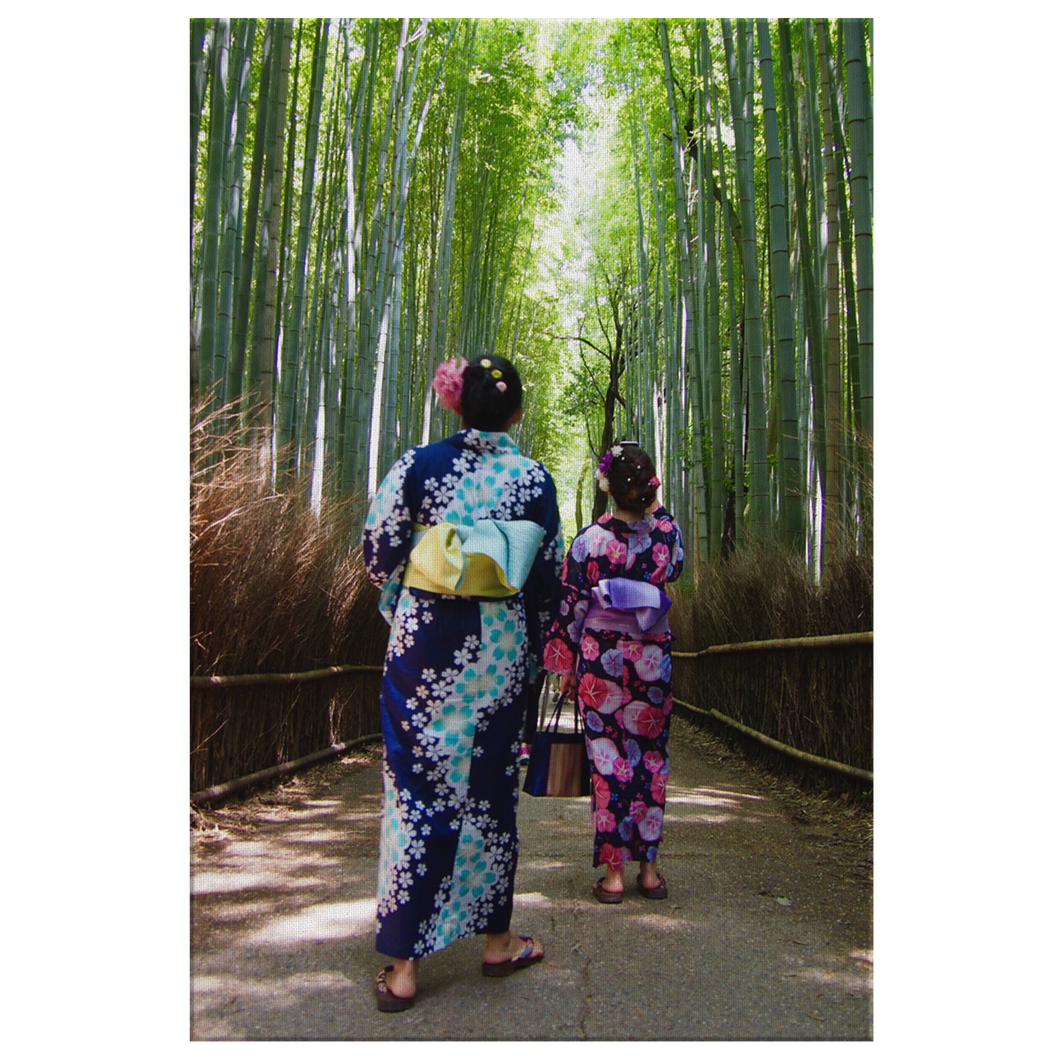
<point>241,680</point>
<point>833,406</point>
<point>292,339</point>
<point>834,640</point>
<point>196,86</point>
<point>220,791</point>
<point>262,368</point>
<point>776,745</point>
<point>241,310</point>
<point>240,60</point>
<point>211,224</point>
<point>788,479</point>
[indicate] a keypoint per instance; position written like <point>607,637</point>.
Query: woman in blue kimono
<point>464,540</point>
<point>611,643</point>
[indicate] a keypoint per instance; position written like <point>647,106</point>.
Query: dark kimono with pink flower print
<point>624,683</point>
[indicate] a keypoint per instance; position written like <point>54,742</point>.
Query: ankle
<point>501,945</point>
<point>401,985</point>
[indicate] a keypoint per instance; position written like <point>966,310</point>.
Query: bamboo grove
<point>369,197</point>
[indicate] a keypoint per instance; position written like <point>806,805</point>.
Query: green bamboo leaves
<point>380,218</point>
<point>368,197</point>
<point>766,346</point>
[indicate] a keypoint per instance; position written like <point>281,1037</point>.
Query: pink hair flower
<point>448,383</point>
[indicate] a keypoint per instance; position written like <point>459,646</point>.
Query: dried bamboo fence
<point>248,723</point>
<point>278,592</point>
<point>764,654</point>
<point>848,640</point>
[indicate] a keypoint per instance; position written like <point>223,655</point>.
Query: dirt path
<point>767,934</point>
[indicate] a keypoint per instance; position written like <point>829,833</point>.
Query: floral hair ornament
<point>654,481</point>
<point>502,386</point>
<point>605,466</point>
<point>448,383</point>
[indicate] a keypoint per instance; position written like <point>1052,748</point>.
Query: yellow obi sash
<point>489,558</point>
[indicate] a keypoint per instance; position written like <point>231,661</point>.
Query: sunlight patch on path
<point>330,920</point>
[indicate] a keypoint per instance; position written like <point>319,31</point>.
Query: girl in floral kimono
<point>463,538</point>
<point>611,641</point>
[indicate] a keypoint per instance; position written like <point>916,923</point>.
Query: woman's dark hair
<point>630,477</point>
<point>492,392</point>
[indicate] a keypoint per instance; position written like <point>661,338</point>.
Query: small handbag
<point>559,761</point>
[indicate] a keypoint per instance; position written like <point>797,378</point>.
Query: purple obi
<point>623,605</point>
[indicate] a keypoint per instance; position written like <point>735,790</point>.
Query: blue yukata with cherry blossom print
<point>455,693</point>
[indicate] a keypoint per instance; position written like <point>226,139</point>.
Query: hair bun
<point>492,393</point>
<point>632,480</point>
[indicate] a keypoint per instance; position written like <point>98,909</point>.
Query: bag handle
<point>553,722</point>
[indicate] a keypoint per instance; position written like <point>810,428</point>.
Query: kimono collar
<point>484,441</point>
<point>638,526</point>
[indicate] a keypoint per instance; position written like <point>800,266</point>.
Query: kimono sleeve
<point>542,588</point>
<point>387,538</point>
<point>670,558</point>
<point>563,641</point>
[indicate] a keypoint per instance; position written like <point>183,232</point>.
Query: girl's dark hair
<point>630,476</point>
<point>492,392</point>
